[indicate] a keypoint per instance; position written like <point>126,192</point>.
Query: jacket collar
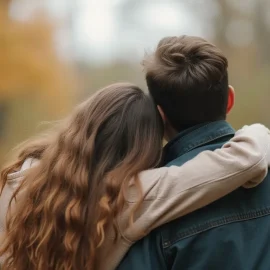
<point>196,136</point>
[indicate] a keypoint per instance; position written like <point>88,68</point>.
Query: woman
<point>87,197</point>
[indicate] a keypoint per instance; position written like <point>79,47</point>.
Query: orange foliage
<point>35,85</point>
<point>29,63</point>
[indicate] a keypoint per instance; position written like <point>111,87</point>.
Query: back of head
<point>187,76</point>
<point>78,188</point>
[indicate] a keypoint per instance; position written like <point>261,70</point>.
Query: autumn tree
<point>34,83</point>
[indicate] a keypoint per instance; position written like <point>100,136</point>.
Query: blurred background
<point>54,53</point>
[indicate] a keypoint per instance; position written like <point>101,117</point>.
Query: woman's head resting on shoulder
<point>77,190</point>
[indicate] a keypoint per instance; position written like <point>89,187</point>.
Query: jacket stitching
<point>201,143</point>
<point>224,131</point>
<point>165,257</point>
<point>217,223</point>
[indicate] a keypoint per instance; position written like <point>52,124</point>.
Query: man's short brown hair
<point>187,76</point>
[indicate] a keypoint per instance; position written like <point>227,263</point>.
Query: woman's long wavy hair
<point>78,188</point>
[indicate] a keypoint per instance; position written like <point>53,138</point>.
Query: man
<point>188,79</point>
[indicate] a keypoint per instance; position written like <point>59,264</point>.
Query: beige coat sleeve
<point>172,192</point>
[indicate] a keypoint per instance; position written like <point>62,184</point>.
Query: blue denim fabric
<point>231,233</point>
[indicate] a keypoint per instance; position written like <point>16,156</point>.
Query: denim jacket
<point>232,233</point>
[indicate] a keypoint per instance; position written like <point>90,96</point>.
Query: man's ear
<point>231,97</point>
<point>162,114</point>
